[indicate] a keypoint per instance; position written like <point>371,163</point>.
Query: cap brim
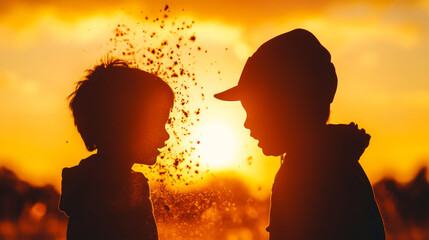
<point>235,93</point>
<point>232,94</point>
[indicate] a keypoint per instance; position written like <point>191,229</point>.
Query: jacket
<point>324,193</point>
<point>101,206</point>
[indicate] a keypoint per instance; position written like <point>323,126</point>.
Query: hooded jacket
<point>101,206</point>
<point>323,192</point>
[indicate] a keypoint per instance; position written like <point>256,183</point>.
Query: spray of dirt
<point>168,47</point>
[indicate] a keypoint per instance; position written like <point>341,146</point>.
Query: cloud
<point>7,79</point>
<point>249,12</point>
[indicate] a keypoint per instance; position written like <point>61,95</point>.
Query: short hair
<point>106,93</point>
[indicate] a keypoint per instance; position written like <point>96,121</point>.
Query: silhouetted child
<point>320,190</point>
<point>121,112</point>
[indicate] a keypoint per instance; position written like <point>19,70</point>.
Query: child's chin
<point>151,161</point>
<point>148,158</point>
<point>271,151</point>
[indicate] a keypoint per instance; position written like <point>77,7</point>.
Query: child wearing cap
<point>121,113</point>
<point>320,190</point>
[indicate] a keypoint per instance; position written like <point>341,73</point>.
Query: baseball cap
<point>294,62</point>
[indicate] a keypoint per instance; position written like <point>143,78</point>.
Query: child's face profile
<point>139,130</point>
<point>272,122</point>
<point>146,132</point>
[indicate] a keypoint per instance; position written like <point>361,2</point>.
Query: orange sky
<point>379,50</point>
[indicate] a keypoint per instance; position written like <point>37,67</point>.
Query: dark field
<point>222,209</point>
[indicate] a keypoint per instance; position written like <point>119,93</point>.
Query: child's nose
<point>246,123</point>
<point>165,136</point>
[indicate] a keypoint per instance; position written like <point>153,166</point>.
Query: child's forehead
<point>148,100</point>
<point>153,102</point>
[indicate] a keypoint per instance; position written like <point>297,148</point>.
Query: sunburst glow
<point>217,145</point>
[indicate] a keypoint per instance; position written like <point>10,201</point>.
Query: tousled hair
<point>110,91</point>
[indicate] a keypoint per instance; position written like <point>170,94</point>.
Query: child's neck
<point>115,162</point>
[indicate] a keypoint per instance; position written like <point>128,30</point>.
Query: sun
<point>216,146</point>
